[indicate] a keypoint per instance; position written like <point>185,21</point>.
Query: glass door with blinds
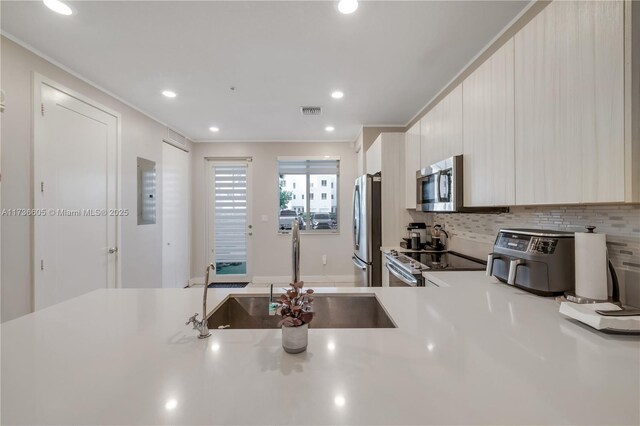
<point>229,227</point>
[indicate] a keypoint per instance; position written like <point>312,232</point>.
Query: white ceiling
<point>389,57</point>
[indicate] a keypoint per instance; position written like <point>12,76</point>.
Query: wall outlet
<point>324,259</point>
<point>265,218</point>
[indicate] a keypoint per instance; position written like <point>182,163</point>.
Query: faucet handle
<point>193,319</point>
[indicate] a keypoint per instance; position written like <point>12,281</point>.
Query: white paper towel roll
<point>591,265</point>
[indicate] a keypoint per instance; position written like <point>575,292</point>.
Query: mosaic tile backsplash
<point>621,223</point>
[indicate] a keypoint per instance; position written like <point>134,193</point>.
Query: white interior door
<point>75,197</point>
<point>175,217</point>
<point>229,220</point>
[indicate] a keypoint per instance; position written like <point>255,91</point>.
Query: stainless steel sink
<point>332,311</point>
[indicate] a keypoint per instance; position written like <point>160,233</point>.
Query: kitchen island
<point>476,352</point>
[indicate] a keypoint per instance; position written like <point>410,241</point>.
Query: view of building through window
<point>319,209</point>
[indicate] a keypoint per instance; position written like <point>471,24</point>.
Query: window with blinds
<point>305,186</point>
<point>230,219</point>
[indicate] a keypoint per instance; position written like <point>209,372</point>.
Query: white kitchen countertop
<point>478,352</point>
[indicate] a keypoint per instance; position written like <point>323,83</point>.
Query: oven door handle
<point>401,277</point>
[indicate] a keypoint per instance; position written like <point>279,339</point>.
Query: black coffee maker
<point>417,236</point>
<point>437,235</point>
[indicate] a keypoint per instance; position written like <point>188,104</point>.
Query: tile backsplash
<point>621,223</point>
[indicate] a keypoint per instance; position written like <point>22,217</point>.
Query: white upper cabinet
<point>374,157</point>
<point>569,104</point>
<point>412,164</point>
<point>441,130</point>
<point>451,124</point>
<point>427,132</point>
<point>386,155</point>
<point>488,132</point>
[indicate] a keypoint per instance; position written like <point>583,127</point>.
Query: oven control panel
<point>526,243</point>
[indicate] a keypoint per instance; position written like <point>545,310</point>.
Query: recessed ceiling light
<point>58,7</point>
<point>169,94</point>
<point>337,94</point>
<point>214,129</point>
<point>329,128</point>
<point>347,6</point>
<point>171,405</point>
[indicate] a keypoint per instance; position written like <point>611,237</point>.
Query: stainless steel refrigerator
<point>367,231</point>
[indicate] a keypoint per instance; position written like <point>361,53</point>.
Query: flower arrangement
<point>295,306</point>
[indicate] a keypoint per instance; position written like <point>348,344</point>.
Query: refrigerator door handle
<point>359,264</point>
<point>356,216</point>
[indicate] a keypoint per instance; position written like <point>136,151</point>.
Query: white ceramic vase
<point>295,339</point>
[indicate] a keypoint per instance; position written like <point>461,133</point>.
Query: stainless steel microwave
<point>439,186</point>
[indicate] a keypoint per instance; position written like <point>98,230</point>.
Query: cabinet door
<point>374,157</point>
<point>441,129</point>
<point>434,134</point>
<point>411,164</point>
<point>427,137</point>
<point>602,101</point>
<point>393,179</point>
<point>569,105</point>
<point>450,129</point>
<point>488,126</point>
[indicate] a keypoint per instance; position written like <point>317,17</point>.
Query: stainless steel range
<point>406,268</point>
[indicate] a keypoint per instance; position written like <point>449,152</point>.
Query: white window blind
<point>313,167</point>
<point>230,213</point>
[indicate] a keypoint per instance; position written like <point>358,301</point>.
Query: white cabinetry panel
<point>426,138</point>
<point>387,156</point>
<point>450,129</point>
<point>569,100</point>
<point>488,132</point>
<point>374,157</point>
<point>441,130</point>
<point>411,164</point>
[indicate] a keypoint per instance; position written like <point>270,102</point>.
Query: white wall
<point>271,251</point>
<point>140,250</point>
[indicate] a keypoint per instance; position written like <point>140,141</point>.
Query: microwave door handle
<point>439,194</point>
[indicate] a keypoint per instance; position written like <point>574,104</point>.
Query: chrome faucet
<point>202,326</point>
<point>295,250</point>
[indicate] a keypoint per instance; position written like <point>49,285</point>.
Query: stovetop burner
<point>446,261</point>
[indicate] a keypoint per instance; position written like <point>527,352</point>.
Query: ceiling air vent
<point>176,139</point>
<point>311,110</point>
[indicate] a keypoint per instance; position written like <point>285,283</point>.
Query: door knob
<point>113,250</point>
